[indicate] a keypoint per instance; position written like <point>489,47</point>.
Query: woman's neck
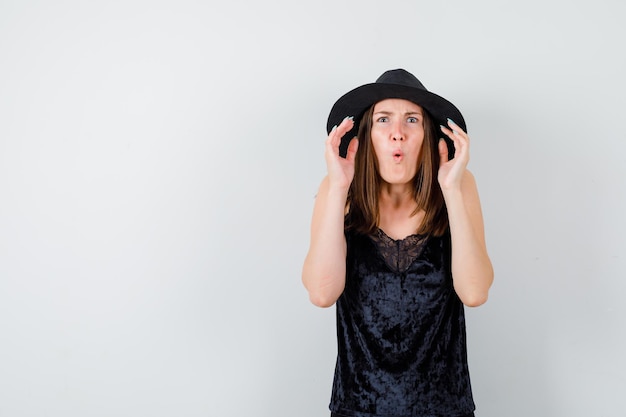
<point>396,196</point>
<point>397,206</point>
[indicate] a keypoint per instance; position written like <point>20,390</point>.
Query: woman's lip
<point>397,155</point>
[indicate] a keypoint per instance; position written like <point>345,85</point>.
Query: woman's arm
<point>324,269</point>
<point>472,272</point>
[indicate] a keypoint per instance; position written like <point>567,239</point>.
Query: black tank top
<point>400,331</point>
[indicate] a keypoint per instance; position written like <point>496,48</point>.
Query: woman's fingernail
<point>451,121</point>
<point>442,127</point>
<point>334,128</point>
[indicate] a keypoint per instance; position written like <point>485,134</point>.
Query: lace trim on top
<point>399,254</point>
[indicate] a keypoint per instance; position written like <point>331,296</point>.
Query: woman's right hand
<point>340,170</point>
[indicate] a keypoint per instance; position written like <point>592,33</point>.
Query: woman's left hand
<point>451,171</point>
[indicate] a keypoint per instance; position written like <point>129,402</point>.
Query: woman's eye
<point>412,120</point>
<point>382,120</point>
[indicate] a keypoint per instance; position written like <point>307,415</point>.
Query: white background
<point>158,165</point>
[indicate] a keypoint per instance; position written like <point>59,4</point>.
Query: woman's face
<point>397,136</point>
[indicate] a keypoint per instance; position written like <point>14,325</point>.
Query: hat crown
<point>400,77</point>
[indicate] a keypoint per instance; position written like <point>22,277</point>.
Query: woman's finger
<point>352,148</point>
<point>457,135</point>
<point>456,128</point>
<point>443,151</point>
<point>338,131</point>
<point>452,136</point>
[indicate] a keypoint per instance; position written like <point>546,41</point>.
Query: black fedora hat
<point>396,83</point>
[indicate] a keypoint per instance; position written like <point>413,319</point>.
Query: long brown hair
<point>362,203</point>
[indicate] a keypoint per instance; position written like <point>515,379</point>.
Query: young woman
<point>397,243</point>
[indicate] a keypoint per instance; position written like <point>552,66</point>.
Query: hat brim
<point>355,102</point>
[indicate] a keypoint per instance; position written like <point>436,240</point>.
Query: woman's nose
<point>397,133</point>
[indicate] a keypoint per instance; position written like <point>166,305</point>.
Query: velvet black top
<point>400,331</point>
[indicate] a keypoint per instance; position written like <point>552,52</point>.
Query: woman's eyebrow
<point>387,113</point>
<point>408,113</point>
